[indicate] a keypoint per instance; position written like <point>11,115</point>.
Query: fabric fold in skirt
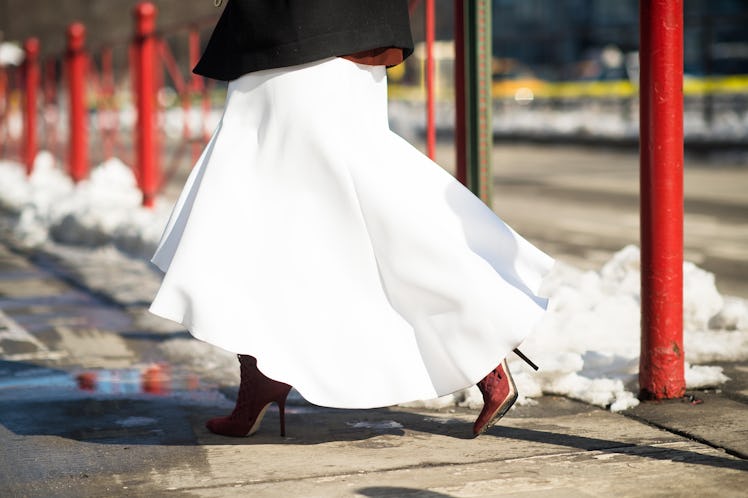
<point>349,264</point>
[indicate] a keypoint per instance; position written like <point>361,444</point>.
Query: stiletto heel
<point>256,393</point>
<point>525,358</point>
<point>282,415</point>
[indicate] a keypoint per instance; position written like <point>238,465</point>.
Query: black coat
<point>252,35</point>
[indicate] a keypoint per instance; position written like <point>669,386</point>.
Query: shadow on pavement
<point>609,446</point>
<point>396,491</point>
<point>46,402</point>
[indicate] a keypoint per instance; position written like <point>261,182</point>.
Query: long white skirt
<point>349,264</point>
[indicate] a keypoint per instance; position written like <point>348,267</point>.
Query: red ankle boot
<point>256,392</point>
<point>499,394</point>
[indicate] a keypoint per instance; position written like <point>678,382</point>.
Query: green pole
<point>478,97</point>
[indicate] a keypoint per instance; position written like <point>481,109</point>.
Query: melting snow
<point>377,426</point>
<point>136,421</point>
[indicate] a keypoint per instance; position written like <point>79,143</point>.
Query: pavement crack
<point>687,435</point>
<point>419,466</point>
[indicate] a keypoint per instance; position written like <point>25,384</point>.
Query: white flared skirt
<point>349,264</point>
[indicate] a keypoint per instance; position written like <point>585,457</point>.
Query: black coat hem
<point>232,64</point>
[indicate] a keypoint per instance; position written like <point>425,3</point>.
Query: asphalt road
<point>581,205</point>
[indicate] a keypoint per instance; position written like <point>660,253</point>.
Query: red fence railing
<point>89,113</point>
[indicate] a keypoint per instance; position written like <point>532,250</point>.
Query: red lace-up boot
<point>256,392</point>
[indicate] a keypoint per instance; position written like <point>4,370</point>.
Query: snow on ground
<point>587,345</point>
<point>101,210</point>
<point>579,119</point>
<point>11,54</point>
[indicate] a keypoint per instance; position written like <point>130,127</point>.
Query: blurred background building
<point>555,40</point>
<point>558,65</point>
<point>106,21</point>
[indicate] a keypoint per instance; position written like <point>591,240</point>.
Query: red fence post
<point>430,87</point>
<point>145,90</point>
<point>31,83</point>
<point>194,53</point>
<point>76,71</point>
<point>196,86</point>
<point>4,104</point>
<point>661,373</point>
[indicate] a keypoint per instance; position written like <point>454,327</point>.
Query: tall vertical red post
<point>4,104</point>
<point>194,53</point>
<point>430,83</point>
<point>31,86</point>
<point>145,93</point>
<point>76,72</point>
<point>196,87</point>
<point>661,367</point>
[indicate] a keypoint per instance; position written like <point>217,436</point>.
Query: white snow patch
<point>701,376</point>
<point>105,208</point>
<point>377,426</point>
<point>435,403</point>
<point>11,54</point>
<point>11,331</point>
<point>732,316</point>
<point>207,361</point>
<point>136,421</point>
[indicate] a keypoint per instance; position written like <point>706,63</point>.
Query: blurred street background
<point>565,78</point>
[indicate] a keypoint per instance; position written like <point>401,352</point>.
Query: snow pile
<point>103,209</point>
<point>11,54</point>
<point>587,345</point>
<point>583,118</point>
<point>588,342</point>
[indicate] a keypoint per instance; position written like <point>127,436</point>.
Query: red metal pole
<point>3,91</point>
<point>460,97</point>
<point>145,88</point>
<point>206,109</point>
<point>194,53</point>
<point>4,104</point>
<point>430,87</point>
<point>5,133</point>
<point>661,373</point>
<point>196,86</point>
<point>31,73</point>
<point>76,70</point>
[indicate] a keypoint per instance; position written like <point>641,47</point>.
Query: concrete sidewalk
<point>60,440</point>
<point>57,442</point>
<point>125,446</point>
